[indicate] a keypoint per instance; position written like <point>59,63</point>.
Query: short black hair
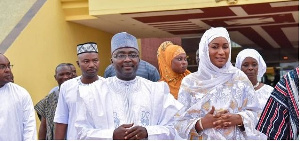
<point>69,64</point>
<point>61,65</point>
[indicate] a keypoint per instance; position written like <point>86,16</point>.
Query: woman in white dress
<point>254,66</point>
<point>219,101</point>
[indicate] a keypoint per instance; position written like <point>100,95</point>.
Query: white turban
<point>253,54</point>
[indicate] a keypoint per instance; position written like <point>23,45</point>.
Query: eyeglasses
<point>3,67</point>
<point>124,56</point>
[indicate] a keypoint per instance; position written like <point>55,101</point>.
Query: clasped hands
<point>130,132</point>
<point>222,119</point>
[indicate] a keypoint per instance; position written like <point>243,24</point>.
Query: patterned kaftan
<point>46,108</point>
<point>280,117</point>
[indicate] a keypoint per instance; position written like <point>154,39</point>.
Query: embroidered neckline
<point>119,85</point>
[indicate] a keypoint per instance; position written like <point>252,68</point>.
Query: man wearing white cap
<point>127,106</point>
<point>65,113</point>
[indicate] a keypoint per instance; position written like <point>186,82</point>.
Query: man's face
<point>89,64</point>
<point>74,74</point>
<point>5,71</point>
<point>125,61</point>
<point>63,73</point>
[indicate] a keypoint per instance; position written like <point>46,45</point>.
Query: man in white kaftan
<point>17,119</point>
<point>65,114</point>
<point>126,106</point>
<point>139,101</point>
<point>66,107</point>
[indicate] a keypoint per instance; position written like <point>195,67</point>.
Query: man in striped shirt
<point>280,117</point>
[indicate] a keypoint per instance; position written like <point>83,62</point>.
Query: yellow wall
<point>47,41</point>
<point>11,14</point>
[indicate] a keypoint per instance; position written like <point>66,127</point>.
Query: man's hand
<point>119,133</point>
<point>136,133</point>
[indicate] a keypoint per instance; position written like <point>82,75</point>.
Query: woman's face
<point>250,68</point>
<point>219,51</point>
<point>179,63</point>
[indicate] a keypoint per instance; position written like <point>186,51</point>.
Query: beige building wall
<point>47,41</point>
<point>11,13</point>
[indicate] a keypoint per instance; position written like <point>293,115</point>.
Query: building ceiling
<point>271,28</point>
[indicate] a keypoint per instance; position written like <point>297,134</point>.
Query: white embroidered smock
<point>17,118</point>
<point>104,108</point>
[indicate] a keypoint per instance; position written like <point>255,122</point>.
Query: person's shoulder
<point>70,83</point>
<point>18,90</point>
<point>144,80</point>
<point>146,64</point>
<point>73,80</point>
<point>191,77</point>
<point>294,73</point>
<point>108,79</point>
<point>240,75</point>
<point>109,68</point>
<point>17,87</point>
<point>53,89</point>
<point>268,86</point>
<point>109,71</point>
<point>101,78</point>
<point>150,83</point>
<point>53,94</point>
<point>99,81</point>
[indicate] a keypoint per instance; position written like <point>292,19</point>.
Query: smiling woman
<point>218,99</point>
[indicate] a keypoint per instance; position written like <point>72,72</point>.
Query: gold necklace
<point>256,85</point>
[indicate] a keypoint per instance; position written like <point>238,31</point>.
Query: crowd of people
<point>136,101</point>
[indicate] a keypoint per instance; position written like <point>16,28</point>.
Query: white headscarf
<point>262,67</point>
<point>210,75</point>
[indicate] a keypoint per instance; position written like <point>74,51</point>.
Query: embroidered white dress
<point>263,95</point>
<point>17,118</point>
<point>236,95</point>
<point>145,103</point>
<point>66,106</point>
